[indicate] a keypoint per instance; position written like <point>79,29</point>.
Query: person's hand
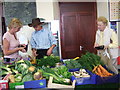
<point>105,47</point>
<point>49,52</point>
<point>99,47</point>
<point>22,49</point>
<point>96,45</point>
<point>34,53</point>
<point>22,45</point>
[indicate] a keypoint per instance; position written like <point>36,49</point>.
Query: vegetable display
<point>19,71</point>
<point>27,77</point>
<point>51,66</point>
<point>38,75</point>
<point>60,74</point>
<point>81,73</point>
<point>89,61</point>
<point>101,71</point>
<point>48,61</point>
<point>94,64</point>
<point>31,68</point>
<point>18,77</point>
<point>72,64</point>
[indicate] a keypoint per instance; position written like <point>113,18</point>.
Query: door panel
<point>86,32</point>
<point>69,33</point>
<point>1,9</point>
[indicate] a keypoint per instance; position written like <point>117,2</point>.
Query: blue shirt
<point>42,39</point>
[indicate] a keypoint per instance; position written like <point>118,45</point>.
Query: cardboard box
<point>35,84</point>
<point>3,84</point>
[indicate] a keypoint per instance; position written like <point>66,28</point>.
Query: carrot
<point>110,74</point>
<point>94,68</point>
<point>99,74</point>
<point>102,74</point>
<point>99,71</point>
<point>104,71</point>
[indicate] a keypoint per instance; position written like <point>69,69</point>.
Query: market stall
<point>52,72</point>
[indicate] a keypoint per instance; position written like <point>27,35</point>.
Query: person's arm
<point>52,39</point>
<point>96,40</point>
<point>53,42</point>
<point>32,42</point>
<point>49,52</point>
<point>52,47</point>
<point>114,39</point>
<point>6,46</point>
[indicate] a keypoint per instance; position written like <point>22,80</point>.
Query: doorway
<point>78,27</point>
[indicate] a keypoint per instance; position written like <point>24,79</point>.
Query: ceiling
<point>54,0</point>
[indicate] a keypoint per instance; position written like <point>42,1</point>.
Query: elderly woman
<point>10,41</point>
<point>108,40</point>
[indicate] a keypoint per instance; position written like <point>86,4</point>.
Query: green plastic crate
<point>12,85</point>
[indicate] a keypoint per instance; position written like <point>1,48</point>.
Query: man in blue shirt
<point>42,40</point>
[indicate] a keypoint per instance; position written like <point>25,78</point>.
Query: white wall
<point>56,10</point>
<point>102,9</point>
<point>47,10</point>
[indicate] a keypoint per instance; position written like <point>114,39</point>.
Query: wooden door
<point>1,9</point>
<point>78,27</point>
<point>69,35</point>
<point>86,32</point>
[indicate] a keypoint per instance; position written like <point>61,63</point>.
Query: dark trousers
<point>41,53</point>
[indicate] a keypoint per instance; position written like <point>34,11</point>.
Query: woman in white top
<point>108,38</point>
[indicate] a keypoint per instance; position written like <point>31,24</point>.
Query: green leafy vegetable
<point>72,64</point>
<point>27,77</point>
<point>18,77</point>
<point>48,61</point>
<point>90,60</point>
<point>59,74</point>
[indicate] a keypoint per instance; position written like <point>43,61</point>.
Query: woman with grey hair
<point>106,44</point>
